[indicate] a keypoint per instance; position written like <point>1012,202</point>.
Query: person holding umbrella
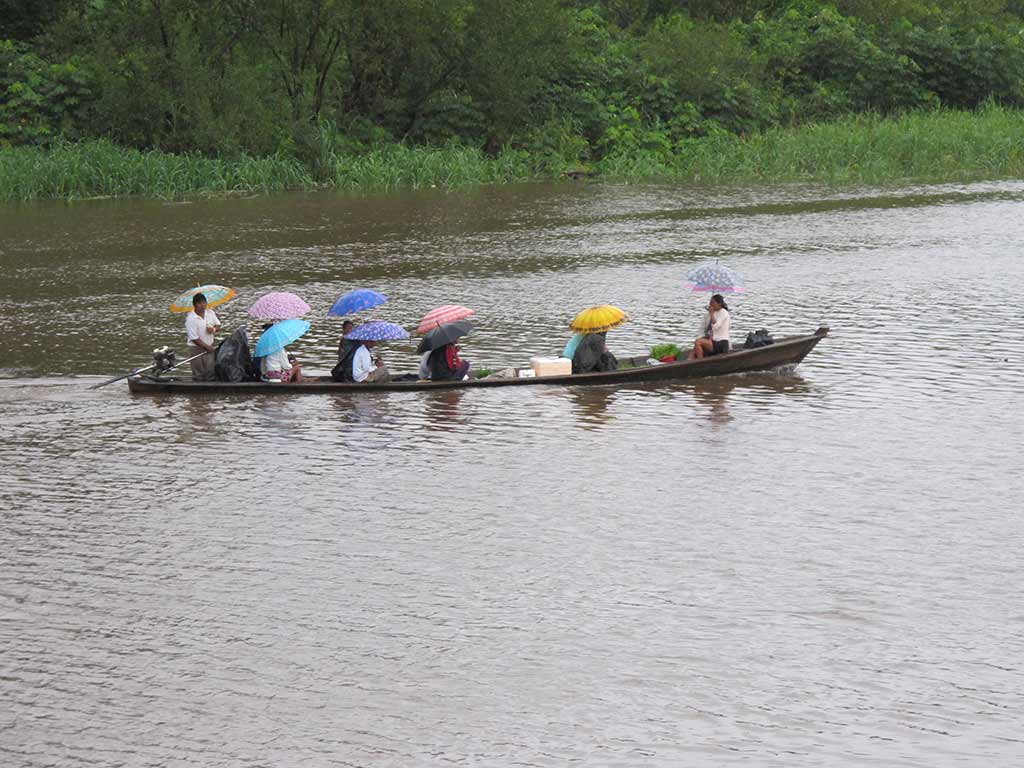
<point>200,326</point>
<point>715,279</point>
<point>276,364</point>
<point>359,365</point>
<point>353,302</point>
<point>441,360</point>
<point>715,340</point>
<point>444,364</point>
<point>366,368</point>
<point>591,353</point>
<point>432,321</point>
<point>279,365</point>
<point>343,343</point>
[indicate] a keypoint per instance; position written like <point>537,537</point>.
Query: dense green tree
<point>512,51</point>
<point>24,19</point>
<point>578,79</point>
<point>41,100</point>
<point>303,39</point>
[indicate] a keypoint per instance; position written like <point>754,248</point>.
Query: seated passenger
<point>715,340</point>
<point>342,370</point>
<point>444,364</point>
<point>343,343</point>
<point>592,355</point>
<point>280,366</point>
<point>365,368</point>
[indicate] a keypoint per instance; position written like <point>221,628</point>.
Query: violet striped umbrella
<point>279,305</point>
<point>447,313</point>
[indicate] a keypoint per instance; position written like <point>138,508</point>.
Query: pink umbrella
<point>448,313</point>
<point>279,305</point>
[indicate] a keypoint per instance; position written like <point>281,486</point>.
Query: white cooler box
<point>551,366</point>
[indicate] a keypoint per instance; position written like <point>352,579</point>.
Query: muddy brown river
<point>800,568</point>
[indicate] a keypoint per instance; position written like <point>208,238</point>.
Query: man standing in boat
<point>200,325</point>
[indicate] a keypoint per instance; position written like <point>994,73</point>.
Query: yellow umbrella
<point>598,319</point>
<point>215,296</point>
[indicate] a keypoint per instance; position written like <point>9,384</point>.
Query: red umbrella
<point>448,313</point>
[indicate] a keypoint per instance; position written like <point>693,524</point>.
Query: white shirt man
<point>362,364</point>
<point>200,325</point>
<point>364,369</point>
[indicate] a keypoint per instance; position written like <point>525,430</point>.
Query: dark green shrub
<point>964,67</point>
<point>39,100</point>
<point>826,64</point>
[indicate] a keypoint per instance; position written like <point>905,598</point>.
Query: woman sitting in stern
<point>715,340</point>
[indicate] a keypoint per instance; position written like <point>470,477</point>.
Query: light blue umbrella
<point>377,330</point>
<point>280,335</point>
<point>356,301</point>
<point>715,278</point>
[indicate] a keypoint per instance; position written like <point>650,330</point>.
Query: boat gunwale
<point>714,365</point>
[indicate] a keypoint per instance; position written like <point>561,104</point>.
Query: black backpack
<point>758,338</point>
<point>232,360</point>
<point>343,370</point>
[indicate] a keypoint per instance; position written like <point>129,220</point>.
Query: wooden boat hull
<point>784,352</point>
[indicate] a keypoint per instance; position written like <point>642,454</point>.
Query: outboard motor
<point>164,359</point>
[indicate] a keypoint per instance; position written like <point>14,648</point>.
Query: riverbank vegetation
<point>172,97</point>
<point>865,149</point>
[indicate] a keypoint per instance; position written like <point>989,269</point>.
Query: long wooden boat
<point>784,352</point>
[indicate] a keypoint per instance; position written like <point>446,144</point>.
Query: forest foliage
<point>562,81</point>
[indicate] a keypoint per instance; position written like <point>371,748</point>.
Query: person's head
<point>370,344</point>
<point>717,303</point>
<point>347,326</point>
<point>199,303</point>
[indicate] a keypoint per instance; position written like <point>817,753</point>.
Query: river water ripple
<point>802,568</point>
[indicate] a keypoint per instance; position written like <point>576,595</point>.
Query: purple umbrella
<point>377,330</point>
<point>279,305</point>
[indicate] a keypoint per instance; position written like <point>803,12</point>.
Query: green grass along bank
<point>934,146</point>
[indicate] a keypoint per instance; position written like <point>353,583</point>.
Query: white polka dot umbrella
<point>714,278</point>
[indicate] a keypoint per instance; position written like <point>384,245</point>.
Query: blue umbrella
<point>356,301</point>
<point>280,335</point>
<point>715,278</point>
<point>377,330</point>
